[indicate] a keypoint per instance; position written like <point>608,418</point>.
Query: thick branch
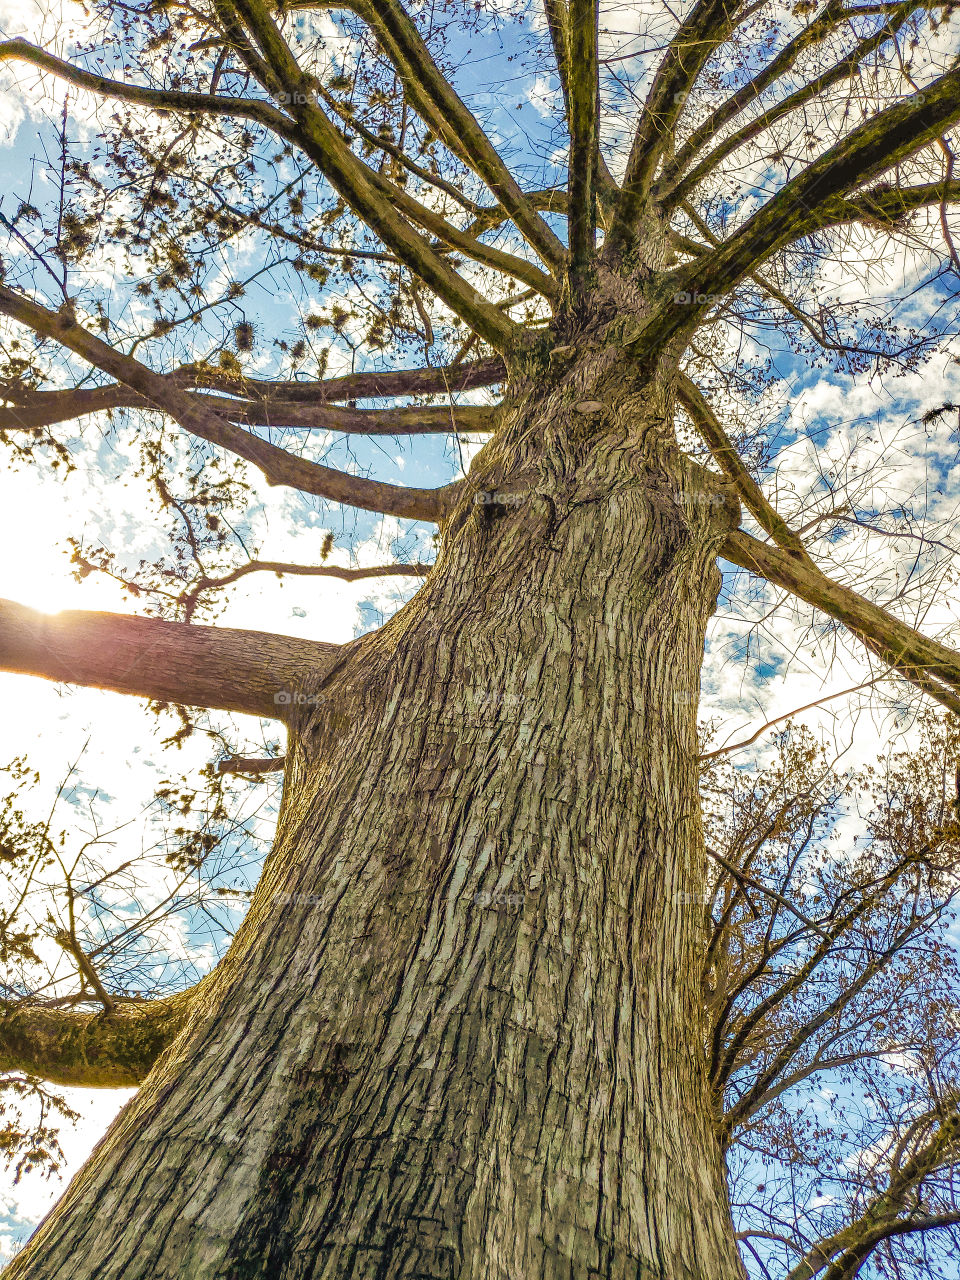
<point>363,386</point>
<point>278,466</point>
<point>800,207</point>
<point>90,1050</point>
<point>885,205</point>
<point>252,672</point>
<point>251,767</point>
<point>583,113</point>
<point>830,17</point>
<point>930,665</point>
<point>727,458</point>
<point>42,409</point>
<point>315,134</point>
<point>443,110</point>
<point>707,25</point>
<point>843,69</point>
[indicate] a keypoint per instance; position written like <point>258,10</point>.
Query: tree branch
<point>727,458</point>
<point>191,597</point>
<point>278,466</point>
<point>881,1219</point>
<point>90,1050</point>
<point>89,974</point>
<point>41,409</point>
<point>311,130</point>
<point>583,114</point>
<point>251,672</point>
<point>702,31</point>
<point>442,109</point>
<point>799,208</point>
<point>250,766</point>
<point>843,69</point>
<point>827,21</point>
<point>360,386</point>
<point>926,663</point>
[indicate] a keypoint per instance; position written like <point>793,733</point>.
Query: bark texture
<point>460,1033</point>
<point>90,1050</point>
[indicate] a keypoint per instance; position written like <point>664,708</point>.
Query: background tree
<point>462,1028</point>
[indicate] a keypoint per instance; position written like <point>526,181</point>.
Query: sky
<point>109,747</point>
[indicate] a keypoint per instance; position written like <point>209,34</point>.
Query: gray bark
<point>460,1033</point>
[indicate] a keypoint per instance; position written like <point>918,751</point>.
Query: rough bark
<point>460,1033</point>
<point>90,1050</point>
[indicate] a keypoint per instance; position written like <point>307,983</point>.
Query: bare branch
<point>191,597</point>
<point>926,663</point>
<point>278,466</point>
<point>848,65</point>
<point>830,17</point>
<point>89,974</point>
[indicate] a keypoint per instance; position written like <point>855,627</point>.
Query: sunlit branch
<point>277,465</point>
<point>281,568</point>
<point>215,667</point>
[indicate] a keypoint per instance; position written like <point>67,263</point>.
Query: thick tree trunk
<point>460,1033</point>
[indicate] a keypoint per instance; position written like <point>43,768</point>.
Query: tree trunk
<point>460,1033</point>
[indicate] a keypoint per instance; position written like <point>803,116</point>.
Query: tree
<point>462,1028</point>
